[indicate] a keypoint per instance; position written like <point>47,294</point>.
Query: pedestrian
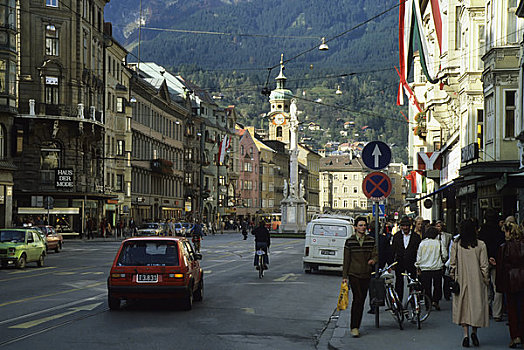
<point>103,228</point>
<point>510,280</point>
<point>405,246</point>
<point>90,228</point>
<point>493,237</point>
<point>222,226</point>
<point>470,268</point>
<point>429,263</point>
<point>445,239</point>
<point>132,226</point>
<point>418,225</point>
<point>360,254</point>
<point>244,229</point>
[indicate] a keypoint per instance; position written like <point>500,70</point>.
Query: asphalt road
<point>63,305</point>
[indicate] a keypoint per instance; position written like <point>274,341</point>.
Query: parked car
<point>151,229</point>
<point>40,233</point>
<point>55,241</point>
<point>155,268</point>
<point>179,229</point>
<point>187,228</point>
<point>19,246</point>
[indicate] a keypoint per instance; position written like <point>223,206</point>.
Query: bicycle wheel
<point>260,266</point>
<point>424,306</point>
<point>395,308</point>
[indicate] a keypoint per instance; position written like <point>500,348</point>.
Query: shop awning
<point>42,211</point>
<point>432,193</point>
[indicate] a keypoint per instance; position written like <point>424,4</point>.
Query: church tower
<point>280,101</point>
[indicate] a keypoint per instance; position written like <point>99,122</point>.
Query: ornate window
<point>51,40</point>
<point>7,76</point>
<point>51,90</point>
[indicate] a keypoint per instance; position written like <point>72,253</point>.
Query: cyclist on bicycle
<point>196,233</point>
<point>262,241</point>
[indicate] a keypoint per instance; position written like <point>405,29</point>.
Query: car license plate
<point>327,252</point>
<point>147,278</point>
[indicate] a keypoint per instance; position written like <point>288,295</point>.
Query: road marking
<point>29,271</point>
<point>248,310</point>
<point>96,297</point>
<point>71,311</point>
<point>45,273</point>
<point>51,294</point>
<point>207,272</point>
<point>92,273</point>
<point>64,273</point>
<point>274,283</point>
<point>290,276</point>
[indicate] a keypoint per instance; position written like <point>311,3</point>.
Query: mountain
<point>236,63</point>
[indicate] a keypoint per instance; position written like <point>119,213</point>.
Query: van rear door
<point>327,241</point>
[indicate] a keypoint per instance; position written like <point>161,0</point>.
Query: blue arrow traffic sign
<point>376,155</point>
<point>376,186</point>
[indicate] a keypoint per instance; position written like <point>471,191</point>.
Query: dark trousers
<point>432,278</point>
<point>516,314</point>
<point>263,246</point>
<point>446,287</point>
<point>359,289</point>
<point>399,279</point>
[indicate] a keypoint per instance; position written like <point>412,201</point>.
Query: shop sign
<point>470,152</point>
<point>140,199</point>
<point>466,190</point>
<point>429,161</point>
<point>187,206</point>
<point>110,207</point>
<point>112,201</point>
<point>64,178</point>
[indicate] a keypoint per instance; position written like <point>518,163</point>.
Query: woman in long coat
<point>470,267</point>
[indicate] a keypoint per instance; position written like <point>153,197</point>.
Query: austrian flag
<point>224,145</point>
<point>418,181</point>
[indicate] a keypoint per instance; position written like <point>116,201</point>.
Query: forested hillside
<point>255,33</point>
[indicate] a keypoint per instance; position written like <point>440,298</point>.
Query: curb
<point>341,330</point>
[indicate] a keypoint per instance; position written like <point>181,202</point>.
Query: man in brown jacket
<point>360,254</point>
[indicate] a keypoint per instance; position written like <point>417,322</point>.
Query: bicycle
<point>260,262</point>
<point>418,305</point>
<point>393,303</point>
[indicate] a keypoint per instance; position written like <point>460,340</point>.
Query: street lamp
<point>323,46</point>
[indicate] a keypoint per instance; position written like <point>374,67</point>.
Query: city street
<point>63,304</point>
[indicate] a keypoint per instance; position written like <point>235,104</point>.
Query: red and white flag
<point>224,145</point>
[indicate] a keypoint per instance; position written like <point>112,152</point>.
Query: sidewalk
<point>437,333</point>
<point>112,238</point>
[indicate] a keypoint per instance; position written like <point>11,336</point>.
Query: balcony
<point>34,109</point>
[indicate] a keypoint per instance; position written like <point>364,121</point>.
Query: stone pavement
<point>437,333</point>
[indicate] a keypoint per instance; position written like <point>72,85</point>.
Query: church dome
<point>280,94</point>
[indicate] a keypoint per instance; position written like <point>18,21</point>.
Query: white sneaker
<point>355,333</point>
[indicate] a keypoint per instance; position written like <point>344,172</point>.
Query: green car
<point>20,246</point>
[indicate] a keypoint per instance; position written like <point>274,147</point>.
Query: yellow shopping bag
<point>343,298</point>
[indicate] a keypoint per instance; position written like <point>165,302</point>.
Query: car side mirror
<point>198,256</point>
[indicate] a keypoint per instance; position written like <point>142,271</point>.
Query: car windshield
<point>330,230</point>
<point>149,254</point>
<point>149,226</point>
<point>12,236</point>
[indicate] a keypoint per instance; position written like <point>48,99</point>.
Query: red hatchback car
<point>156,268</point>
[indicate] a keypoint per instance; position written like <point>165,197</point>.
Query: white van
<point>325,239</point>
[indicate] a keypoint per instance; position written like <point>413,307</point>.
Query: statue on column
<point>285,188</point>
<point>302,190</point>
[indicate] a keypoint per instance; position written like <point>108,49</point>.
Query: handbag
<point>343,298</point>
